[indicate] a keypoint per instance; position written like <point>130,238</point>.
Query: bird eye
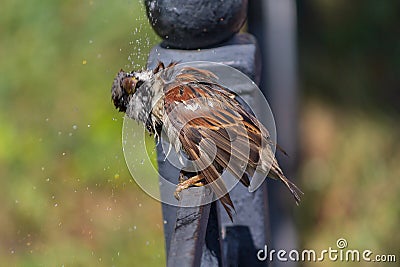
<point>129,84</point>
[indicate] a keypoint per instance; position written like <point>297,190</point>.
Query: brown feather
<point>212,112</point>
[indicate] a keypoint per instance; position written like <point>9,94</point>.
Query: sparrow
<point>206,121</point>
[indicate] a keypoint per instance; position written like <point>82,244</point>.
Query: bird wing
<point>215,131</point>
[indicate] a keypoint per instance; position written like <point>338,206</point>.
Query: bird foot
<point>183,184</point>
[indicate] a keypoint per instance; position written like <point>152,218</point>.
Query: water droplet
<point>56,205</point>
<point>48,179</point>
<point>88,125</point>
<point>63,153</point>
<point>74,127</point>
<point>90,41</point>
<point>16,201</point>
<point>165,222</point>
<point>140,205</point>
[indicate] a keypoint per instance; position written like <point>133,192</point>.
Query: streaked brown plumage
<point>205,120</point>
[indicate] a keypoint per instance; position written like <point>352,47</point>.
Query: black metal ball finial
<point>193,24</point>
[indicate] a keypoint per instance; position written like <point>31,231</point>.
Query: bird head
<point>125,86</point>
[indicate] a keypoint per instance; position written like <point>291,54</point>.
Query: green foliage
<point>350,53</point>
<point>66,196</point>
<point>349,65</point>
<point>350,176</point>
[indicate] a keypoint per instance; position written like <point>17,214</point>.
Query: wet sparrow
<point>205,120</point>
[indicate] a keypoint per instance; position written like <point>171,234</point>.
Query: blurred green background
<point>66,196</point>
<point>349,66</point>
